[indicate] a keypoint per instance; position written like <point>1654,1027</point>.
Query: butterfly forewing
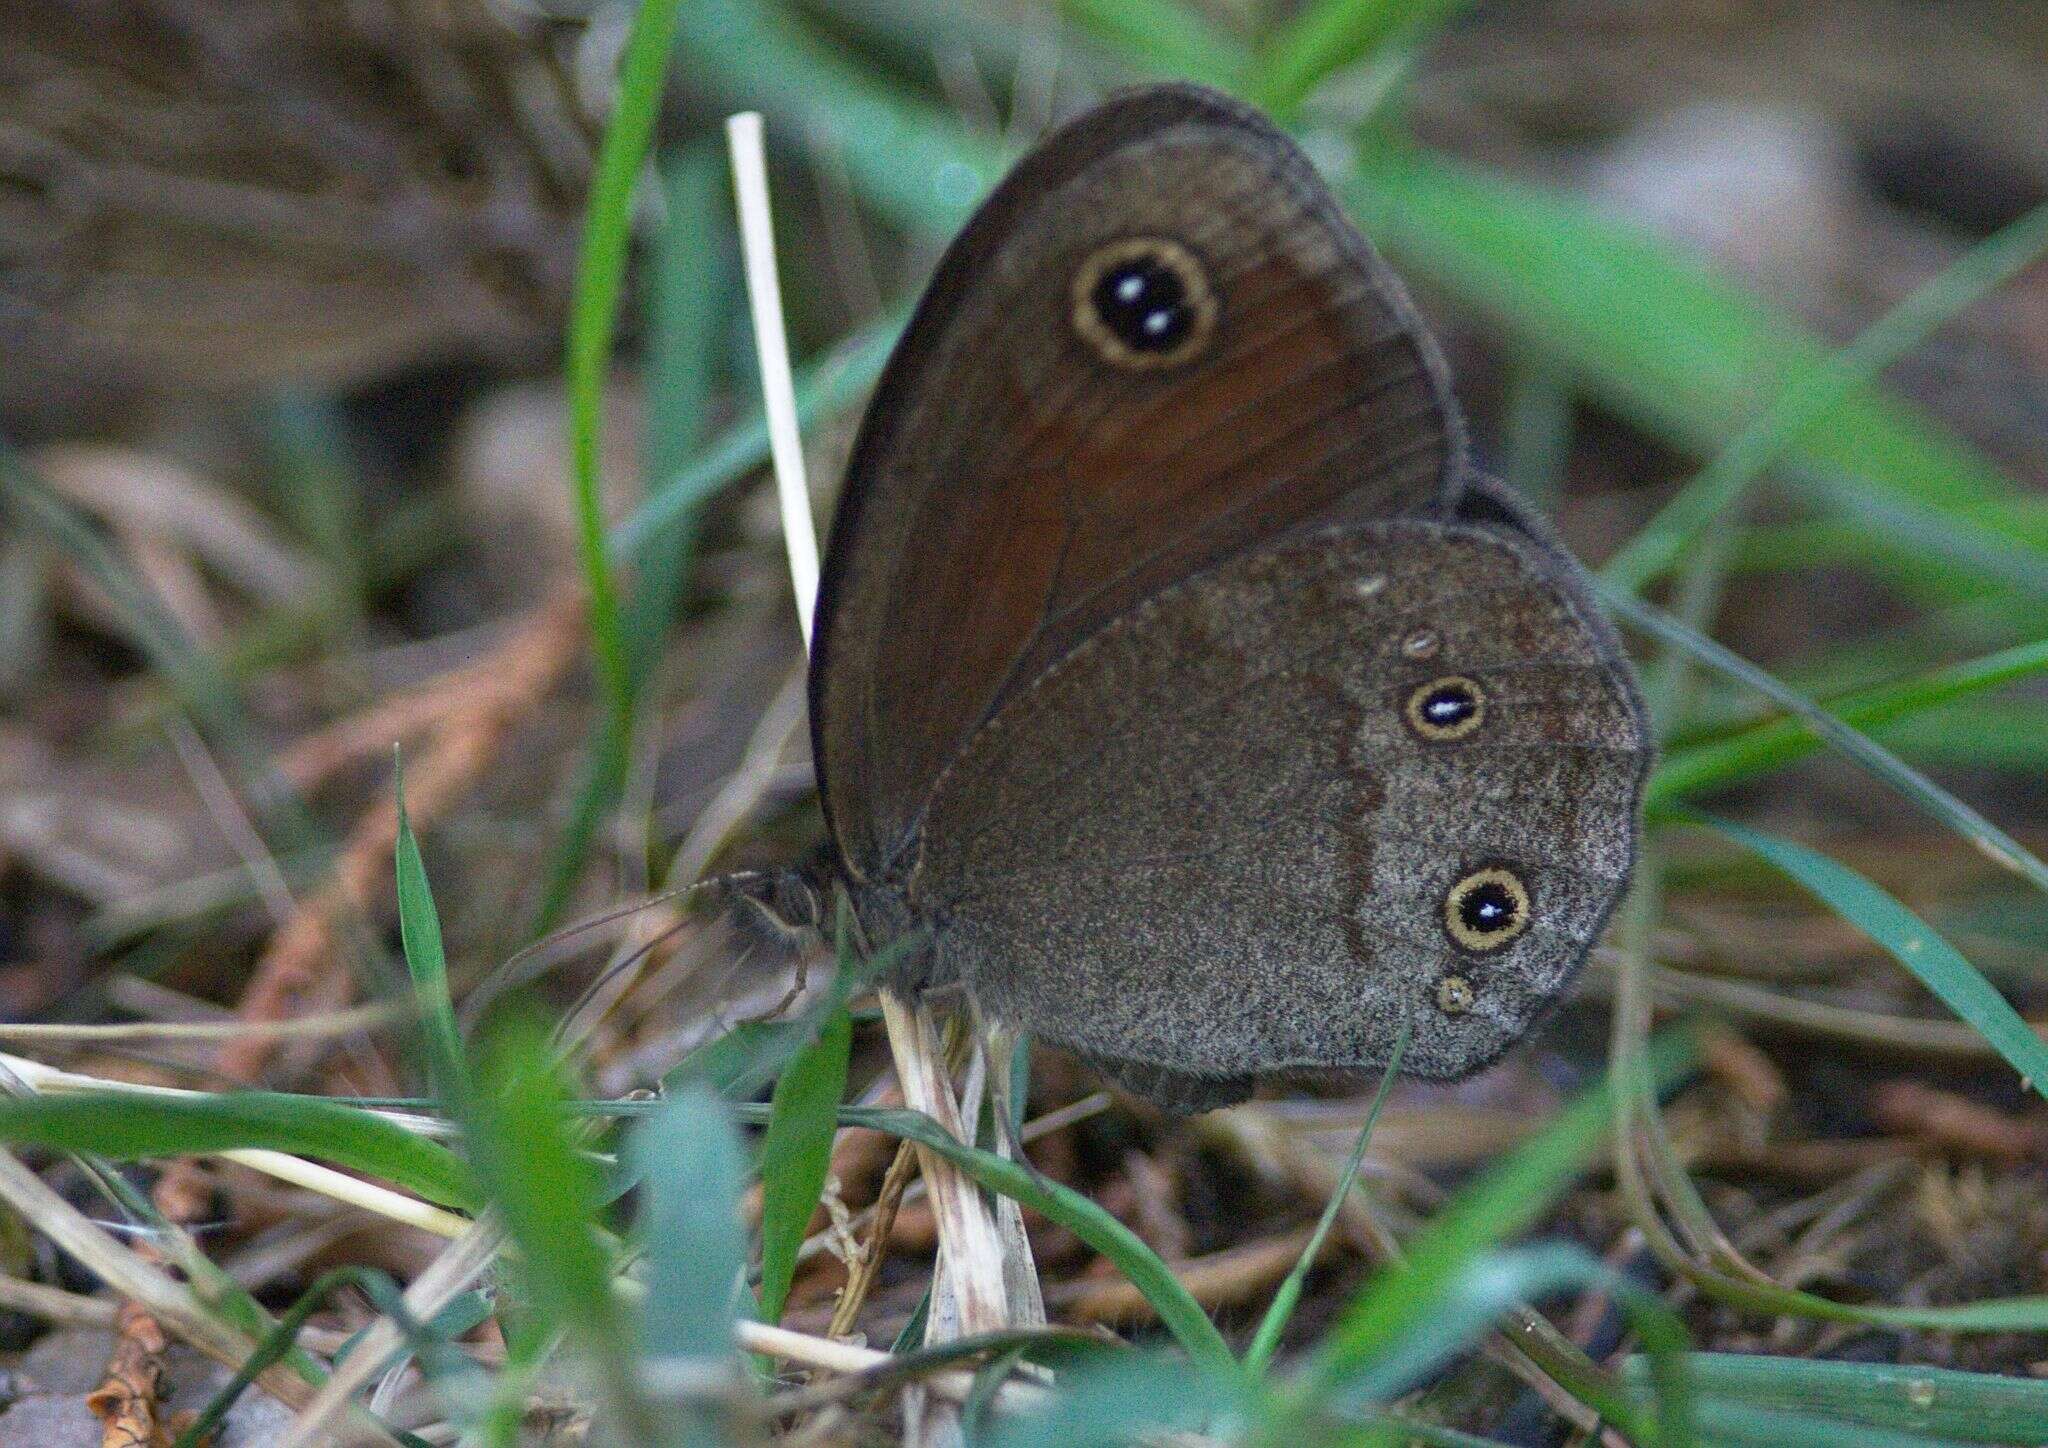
<point>1157,344</point>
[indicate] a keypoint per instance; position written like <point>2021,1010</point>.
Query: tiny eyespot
<point>1446,709</point>
<point>1454,995</point>
<point>1144,302</point>
<point>1486,909</point>
<point>1370,586</point>
<point>1422,644</point>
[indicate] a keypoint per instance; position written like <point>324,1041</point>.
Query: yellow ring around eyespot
<point>1194,280</point>
<point>1454,995</point>
<point>1487,940</point>
<point>1436,733</point>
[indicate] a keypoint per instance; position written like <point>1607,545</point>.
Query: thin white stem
<point>778,388</point>
<point>353,1191</point>
<point>969,1290</point>
<point>846,1357</point>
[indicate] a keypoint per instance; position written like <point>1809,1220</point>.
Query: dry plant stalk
<point>970,1243</point>
<point>861,1270</point>
<point>129,1400</point>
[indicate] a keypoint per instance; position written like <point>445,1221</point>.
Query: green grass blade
<point>419,935</point>
<point>280,1343</point>
<point>2006,735</point>
<point>1259,1356</point>
<point>1654,335</point>
<point>592,328</point>
<point>1485,1287</point>
<point>1809,397</point>
<point>1956,1406</point>
<point>795,1152</point>
<point>1939,803</point>
<point>131,1126</point>
<point>1908,940</point>
<point>689,293</point>
<point>1183,1316</point>
<point>1511,1196</point>
<point>593,316</point>
<point>321,489</point>
<point>822,388</point>
<point>909,160</point>
<point>549,1195</point>
<point>1326,36</point>
<point>1777,742</point>
<point>692,1168</point>
<point>1726,1423</point>
<point>1934,560</point>
<point>1163,37</point>
<point>1114,1399</point>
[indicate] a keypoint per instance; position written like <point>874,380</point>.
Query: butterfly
<point>1180,688</point>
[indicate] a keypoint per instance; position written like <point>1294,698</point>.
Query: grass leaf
<point>1707,765</point>
<point>829,385</point>
<point>1117,1398</point>
<point>692,1167</point>
<point>795,1151</point>
<point>1908,940</point>
<point>419,935</point>
<point>130,1125</point>
<point>1166,38</point>
<point>593,319</point>
<point>1259,1356</point>
<point>1957,1406</point>
<point>1326,36</point>
<point>1687,355</point>
<point>1808,397</point>
<point>549,1195</point>
<point>1176,1307</point>
<point>1512,1195</point>
<point>1939,803</point>
<point>1485,1287</point>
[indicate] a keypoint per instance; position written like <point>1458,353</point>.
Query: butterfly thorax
<point>811,901</point>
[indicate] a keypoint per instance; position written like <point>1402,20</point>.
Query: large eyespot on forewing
<point>1144,302</point>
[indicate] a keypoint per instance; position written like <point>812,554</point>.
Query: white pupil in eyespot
<point>1157,322</point>
<point>1130,288</point>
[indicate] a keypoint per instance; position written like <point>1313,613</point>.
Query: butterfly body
<point>1179,689</point>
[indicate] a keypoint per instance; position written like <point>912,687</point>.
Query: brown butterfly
<point>1180,690</point>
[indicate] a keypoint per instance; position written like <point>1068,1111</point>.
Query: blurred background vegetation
<point>378,371</point>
